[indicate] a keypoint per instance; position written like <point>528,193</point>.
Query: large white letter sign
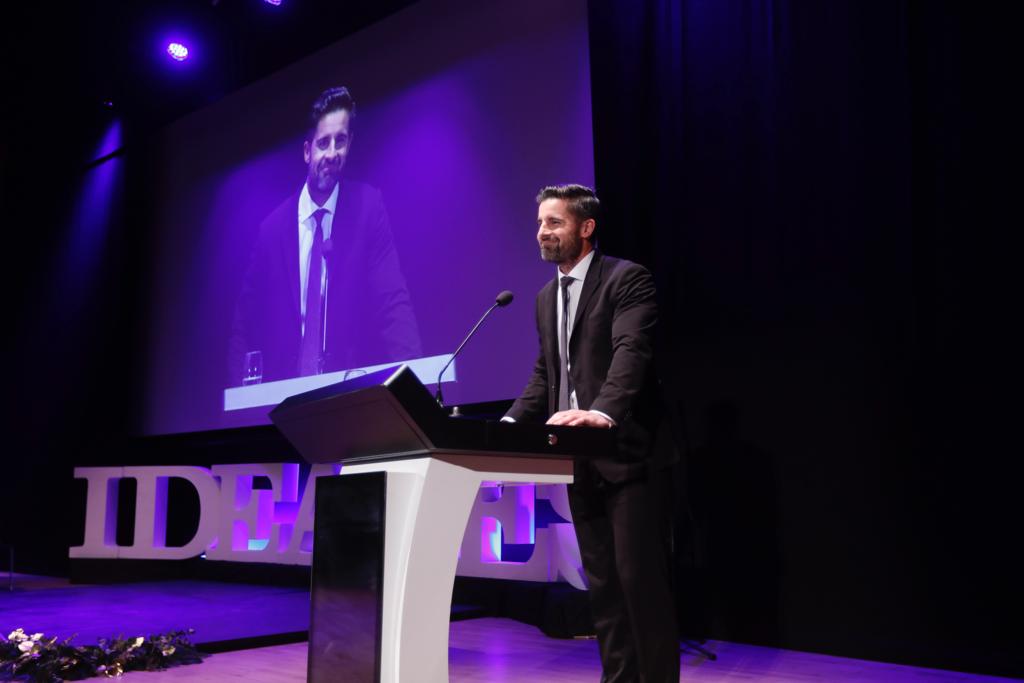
<point>520,531</point>
<point>100,512</point>
<point>565,549</point>
<point>150,512</point>
<point>505,514</point>
<point>248,531</point>
<point>298,527</point>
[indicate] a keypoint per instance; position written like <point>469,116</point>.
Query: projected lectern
<point>388,530</point>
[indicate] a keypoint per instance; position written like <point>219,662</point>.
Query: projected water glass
<point>253,368</point>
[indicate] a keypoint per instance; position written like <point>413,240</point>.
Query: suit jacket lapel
<point>590,285</point>
<point>344,232</point>
<point>549,319</point>
<point>289,251</point>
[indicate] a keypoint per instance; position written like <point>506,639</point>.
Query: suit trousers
<point>624,532</point>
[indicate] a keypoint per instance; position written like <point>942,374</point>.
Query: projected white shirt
<point>307,207</point>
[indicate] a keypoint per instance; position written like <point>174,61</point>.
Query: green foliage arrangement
<point>39,659</point>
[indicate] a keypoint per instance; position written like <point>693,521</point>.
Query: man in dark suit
<point>324,272</point>
<point>596,368</point>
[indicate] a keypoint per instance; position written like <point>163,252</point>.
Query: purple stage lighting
<point>275,3</point>
<point>177,52</point>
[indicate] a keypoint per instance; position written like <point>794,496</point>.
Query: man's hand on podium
<point>581,418</point>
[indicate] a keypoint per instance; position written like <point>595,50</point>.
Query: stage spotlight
<point>177,52</point>
<point>275,3</point>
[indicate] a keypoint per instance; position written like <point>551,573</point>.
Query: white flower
<point>138,642</point>
<point>26,646</point>
<point>36,636</point>
<point>167,652</point>
<point>17,636</point>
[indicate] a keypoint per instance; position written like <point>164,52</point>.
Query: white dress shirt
<point>307,223</point>
<point>578,274</point>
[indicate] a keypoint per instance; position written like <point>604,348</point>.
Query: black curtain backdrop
<point>76,233</point>
<point>810,183</point>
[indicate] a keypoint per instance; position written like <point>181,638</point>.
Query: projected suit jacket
<point>612,352</point>
<point>369,314</point>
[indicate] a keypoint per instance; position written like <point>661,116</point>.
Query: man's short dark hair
<point>330,100</point>
<point>581,200</point>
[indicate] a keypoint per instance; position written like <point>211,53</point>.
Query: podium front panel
<point>348,569</point>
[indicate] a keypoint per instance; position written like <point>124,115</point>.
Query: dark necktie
<point>309,355</point>
<point>565,383</point>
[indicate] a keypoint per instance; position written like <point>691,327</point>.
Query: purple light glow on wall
<point>93,215</point>
<point>111,141</point>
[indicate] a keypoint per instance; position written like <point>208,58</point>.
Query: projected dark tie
<point>309,354</point>
<point>565,383</point>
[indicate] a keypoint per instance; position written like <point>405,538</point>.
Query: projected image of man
<point>324,290</point>
<point>325,155</point>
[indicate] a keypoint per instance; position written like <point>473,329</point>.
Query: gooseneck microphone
<point>503,299</point>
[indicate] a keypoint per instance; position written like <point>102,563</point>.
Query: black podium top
<point>389,414</point>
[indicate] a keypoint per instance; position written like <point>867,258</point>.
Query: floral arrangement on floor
<point>40,659</point>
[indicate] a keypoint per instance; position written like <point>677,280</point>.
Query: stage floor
<point>504,651</point>
<point>485,650</point>
<point>224,615</point>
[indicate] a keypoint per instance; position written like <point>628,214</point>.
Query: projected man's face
<point>325,154</point>
<point>560,234</point>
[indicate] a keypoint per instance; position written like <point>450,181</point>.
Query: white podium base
<point>428,502</point>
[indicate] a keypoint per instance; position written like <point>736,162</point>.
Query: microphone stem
<point>438,396</point>
<point>322,361</point>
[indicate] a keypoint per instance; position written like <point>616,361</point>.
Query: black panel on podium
<point>348,578</point>
<point>384,412</point>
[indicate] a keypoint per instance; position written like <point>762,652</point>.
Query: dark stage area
<point>819,190</point>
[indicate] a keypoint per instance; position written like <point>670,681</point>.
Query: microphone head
<point>328,247</point>
<point>504,299</point>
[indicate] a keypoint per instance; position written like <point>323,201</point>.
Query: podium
<point>388,529</point>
